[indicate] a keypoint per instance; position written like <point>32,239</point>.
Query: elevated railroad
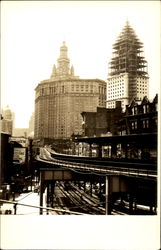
<point>102,166</point>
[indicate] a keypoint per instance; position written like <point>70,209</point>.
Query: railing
<point>47,209</point>
<point>102,170</point>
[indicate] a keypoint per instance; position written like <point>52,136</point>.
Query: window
<point>133,111</point>
<point>156,106</point>
<point>62,89</point>
<point>51,90</point>
<point>91,89</point>
<point>146,123</point>
<point>134,125</point>
<point>144,109</point>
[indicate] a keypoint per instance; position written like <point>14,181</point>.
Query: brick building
<point>103,122</point>
<point>140,117</point>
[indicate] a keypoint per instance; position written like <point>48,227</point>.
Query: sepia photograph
<point>80,137</point>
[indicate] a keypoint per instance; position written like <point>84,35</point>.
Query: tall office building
<point>7,122</point>
<point>31,125</point>
<point>128,77</point>
<point>60,100</point>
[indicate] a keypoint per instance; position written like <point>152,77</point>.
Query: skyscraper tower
<point>128,77</point>
<point>60,100</point>
<point>7,123</point>
<point>63,69</point>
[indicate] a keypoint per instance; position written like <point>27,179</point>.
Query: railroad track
<point>77,204</point>
<point>76,200</point>
<point>82,201</point>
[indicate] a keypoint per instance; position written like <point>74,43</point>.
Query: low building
<point>103,122</point>
<point>13,164</point>
<point>136,136</point>
<point>6,159</point>
<point>5,164</point>
<point>20,132</point>
<point>140,117</point>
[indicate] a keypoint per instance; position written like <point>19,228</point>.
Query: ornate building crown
<point>63,69</point>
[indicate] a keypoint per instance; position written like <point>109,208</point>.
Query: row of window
<point>142,92</point>
<point>112,104</point>
<point>144,109</point>
<point>115,87</point>
<point>141,88</point>
<point>142,80</point>
<point>120,82</point>
<point>145,124</point>
<point>141,83</point>
<point>122,79</point>
<point>64,89</point>
<point>116,94</point>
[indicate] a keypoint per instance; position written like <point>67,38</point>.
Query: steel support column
<point>100,189</point>
<point>41,191</point>
<point>99,150</point>
<point>131,203</point>
<point>107,185</point>
<point>91,188</point>
<point>114,151</point>
<point>84,186</point>
<point>52,193</point>
<point>47,197</point>
<point>90,150</point>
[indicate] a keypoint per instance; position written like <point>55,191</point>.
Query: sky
<point>33,31</point>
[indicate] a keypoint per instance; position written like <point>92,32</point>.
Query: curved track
<point>103,166</point>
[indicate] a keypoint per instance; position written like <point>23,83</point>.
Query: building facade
<point>60,100</point>
<point>140,117</point>
<point>103,122</point>
<point>136,136</point>
<point>7,121</point>
<point>128,76</point>
<point>31,125</point>
<point>5,159</point>
<point>20,132</point>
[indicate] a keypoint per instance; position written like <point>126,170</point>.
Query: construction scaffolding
<point>128,58</point>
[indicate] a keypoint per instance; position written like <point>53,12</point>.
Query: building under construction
<point>128,77</point>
